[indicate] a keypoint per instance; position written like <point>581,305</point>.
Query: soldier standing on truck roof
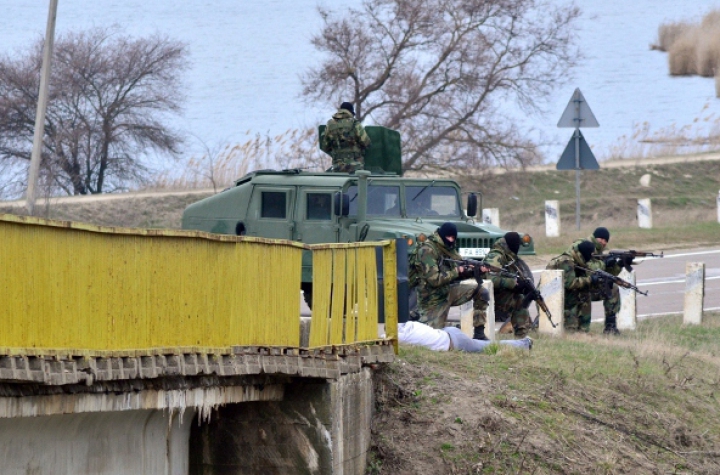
<point>345,140</point>
<point>441,284</point>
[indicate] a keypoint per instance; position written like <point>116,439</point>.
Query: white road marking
<point>678,281</point>
<point>716,251</point>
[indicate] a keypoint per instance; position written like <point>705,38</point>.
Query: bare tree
<point>443,72</point>
<point>109,95</point>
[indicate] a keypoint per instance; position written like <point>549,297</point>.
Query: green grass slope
<point>643,403</point>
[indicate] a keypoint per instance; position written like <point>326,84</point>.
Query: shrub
<point>682,57</point>
<point>708,51</point>
<point>668,33</point>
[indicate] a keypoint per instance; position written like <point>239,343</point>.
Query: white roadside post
<point>644,213</point>
<point>466,315</point>
<point>552,290</point>
<point>694,293</point>
<point>552,218</point>
<point>627,318</point>
<point>490,327</point>
<point>466,319</point>
<point>491,216</point>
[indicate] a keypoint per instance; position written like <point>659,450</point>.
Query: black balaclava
<point>602,233</point>
<point>348,107</point>
<point>448,230</point>
<point>513,241</point>
<point>586,248</point>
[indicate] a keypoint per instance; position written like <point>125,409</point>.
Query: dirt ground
<point>434,420</point>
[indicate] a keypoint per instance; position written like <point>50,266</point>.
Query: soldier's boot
<point>479,333</point>
<point>611,325</point>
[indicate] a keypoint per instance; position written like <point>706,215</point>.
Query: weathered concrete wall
<point>320,427</point>
<point>139,442</point>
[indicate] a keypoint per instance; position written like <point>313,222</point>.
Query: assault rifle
<point>476,265</point>
<point>606,277</point>
<point>625,256</point>
<point>535,295</point>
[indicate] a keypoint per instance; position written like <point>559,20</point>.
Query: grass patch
<point>684,207</point>
<point>644,402</point>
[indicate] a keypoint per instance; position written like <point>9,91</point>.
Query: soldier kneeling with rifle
<point>511,294</point>
<point>441,283</point>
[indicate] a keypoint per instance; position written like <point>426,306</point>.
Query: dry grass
<point>643,403</point>
<point>701,136</point>
<point>693,49</point>
<point>219,167</point>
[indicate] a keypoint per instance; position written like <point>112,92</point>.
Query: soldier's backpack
<point>340,134</point>
<point>414,266</point>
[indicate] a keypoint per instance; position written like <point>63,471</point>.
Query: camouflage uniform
<point>576,314</point>
<point>438,287</point>
<point>610,295</point>
<point>345,140</point>
<point>506,299</point>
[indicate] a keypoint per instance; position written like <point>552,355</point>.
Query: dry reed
<point>220,167</point>
<point>692,48</point>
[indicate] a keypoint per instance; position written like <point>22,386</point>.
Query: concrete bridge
<point>127,351</point>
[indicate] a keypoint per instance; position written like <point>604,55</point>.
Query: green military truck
<point>369,205</point>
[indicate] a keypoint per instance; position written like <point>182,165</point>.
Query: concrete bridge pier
<point>320,427</point>
<point>147,442</point>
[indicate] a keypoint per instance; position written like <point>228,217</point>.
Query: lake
<point>247,58</point>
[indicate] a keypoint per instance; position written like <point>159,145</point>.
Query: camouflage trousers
<point>576,314</point>
<point>459,293</point>
<point>610,304</point>
<point>347,165</point>
<point>513,305</point>
<point>578,307</point>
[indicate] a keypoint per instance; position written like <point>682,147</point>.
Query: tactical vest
<point>341,135</point>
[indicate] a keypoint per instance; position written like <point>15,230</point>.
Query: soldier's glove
<point>467,273</point>
<point>613,261</point>
<point>595,279</point>
<point>627,261</point>
<point>522,287</point>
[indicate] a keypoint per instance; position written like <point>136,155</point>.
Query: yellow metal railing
<point>82,289</point>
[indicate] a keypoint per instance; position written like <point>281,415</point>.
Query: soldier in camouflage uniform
<point>576,314</point>
<point>609,292</point>
<point>345,140</point>
<point>439,286</point>
<point>509,292</point>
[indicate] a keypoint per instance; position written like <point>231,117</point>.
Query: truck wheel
<point>306,287</point>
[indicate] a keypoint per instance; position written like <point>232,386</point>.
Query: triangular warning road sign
<point>578,113</point>
<point>587,159</point>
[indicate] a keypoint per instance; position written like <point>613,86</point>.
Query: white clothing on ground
<point>416,333</point>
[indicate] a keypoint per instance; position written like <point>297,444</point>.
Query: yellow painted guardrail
<point>74,288</point>
<point>345,294</point>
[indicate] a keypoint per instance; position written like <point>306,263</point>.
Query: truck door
<point>272,210</point>
<point>315,220</point>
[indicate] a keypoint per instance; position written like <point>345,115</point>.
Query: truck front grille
<point>476,242</point>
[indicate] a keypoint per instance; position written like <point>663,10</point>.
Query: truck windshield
<point>431,201</point>
<point>420,200</point>
<point>382,200</point>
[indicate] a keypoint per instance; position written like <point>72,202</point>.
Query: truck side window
<point>319,206</point>
<point>273,204</point>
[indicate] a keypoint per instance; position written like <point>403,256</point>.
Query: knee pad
<point>481,293</point>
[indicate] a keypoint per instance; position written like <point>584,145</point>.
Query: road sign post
<point>577,155</point>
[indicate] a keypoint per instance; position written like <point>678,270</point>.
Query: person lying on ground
<point>449,338</point>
